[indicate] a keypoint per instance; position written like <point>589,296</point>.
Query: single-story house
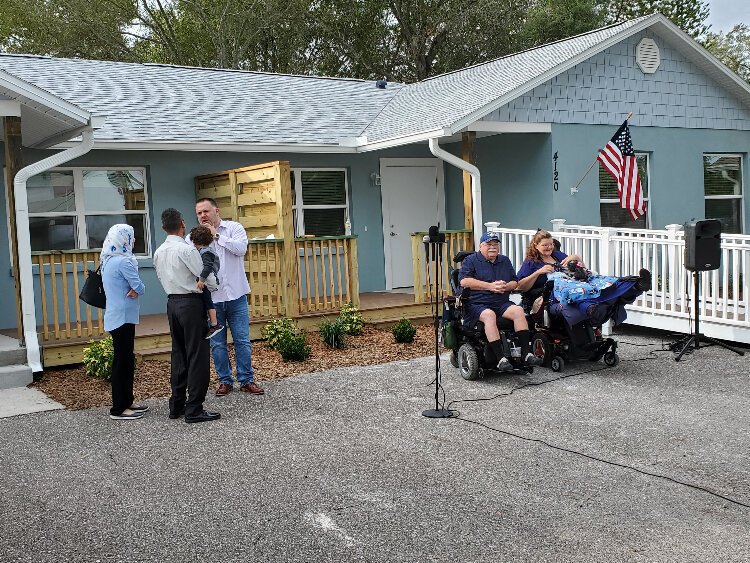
<point>507,141</point>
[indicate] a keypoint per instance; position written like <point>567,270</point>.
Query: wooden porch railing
<point>327,273</point>
<point>61,276</point>
<point>323,277</point>
<point>426,273</point>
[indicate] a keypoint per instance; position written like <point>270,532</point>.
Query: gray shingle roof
<point>166,103</point>
<point>443,100</point>
<point>146,102</point>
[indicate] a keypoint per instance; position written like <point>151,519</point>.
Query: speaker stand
<point>694,341</point>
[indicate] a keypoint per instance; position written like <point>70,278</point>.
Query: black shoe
<point>644,280</point>
<point>176,415</point>
<point>532,360</point>
<point>204,416</point>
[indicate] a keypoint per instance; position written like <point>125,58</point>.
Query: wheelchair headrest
<point>460,256</point>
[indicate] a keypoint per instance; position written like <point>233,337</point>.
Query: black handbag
<point>93,290</point>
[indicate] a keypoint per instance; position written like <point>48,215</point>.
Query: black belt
<point>184,296</point>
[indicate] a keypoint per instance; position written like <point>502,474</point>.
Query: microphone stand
<point>436,243</point>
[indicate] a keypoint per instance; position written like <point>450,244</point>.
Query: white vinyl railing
<point>724,299</point>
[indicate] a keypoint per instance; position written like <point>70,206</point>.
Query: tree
<point>688,15</point>
<point>733,49</point>
<point>95,29</point>
<point>552,20</point>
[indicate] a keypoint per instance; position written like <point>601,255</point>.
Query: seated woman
<point>542,258</point>
<point>578,293</point>
<point>491,278</point>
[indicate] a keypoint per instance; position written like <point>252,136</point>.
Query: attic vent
<point>647,56</point>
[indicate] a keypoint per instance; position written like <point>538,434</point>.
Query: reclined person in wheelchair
<point>491,277</point>
<point>578,293</point>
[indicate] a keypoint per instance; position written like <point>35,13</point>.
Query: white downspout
<point>476,185</point>
<point>25,272</point>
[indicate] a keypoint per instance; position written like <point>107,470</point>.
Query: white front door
<point>413,199</point>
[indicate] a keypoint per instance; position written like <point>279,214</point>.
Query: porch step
<point>10,352</point>
<point>15,376</point>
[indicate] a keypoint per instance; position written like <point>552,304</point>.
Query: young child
<point>202,238</point>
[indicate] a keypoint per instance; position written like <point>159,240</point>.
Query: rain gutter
<point>476,185</point>
<point>25,272</point>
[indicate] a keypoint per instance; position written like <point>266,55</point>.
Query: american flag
<point>618,159</point>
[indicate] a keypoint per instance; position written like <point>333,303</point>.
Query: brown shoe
<point>223,389</point>
<point>252,388</point>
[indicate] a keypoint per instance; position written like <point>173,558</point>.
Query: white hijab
<point>118,242</point>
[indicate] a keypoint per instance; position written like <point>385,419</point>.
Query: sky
<point>725,14</point>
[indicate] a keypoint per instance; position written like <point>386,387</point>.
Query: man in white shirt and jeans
<point>230,244</point>
<point>177,265</point>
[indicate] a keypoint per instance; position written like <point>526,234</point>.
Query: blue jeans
<point>235,316</point>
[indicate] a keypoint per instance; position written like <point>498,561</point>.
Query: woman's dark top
<point>530,266</point>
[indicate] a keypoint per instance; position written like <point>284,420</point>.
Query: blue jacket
<point>120,275</point>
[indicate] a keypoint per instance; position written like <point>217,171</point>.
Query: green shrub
<point>98,358</point>
<point>333,333</point>
<point>292,346</point>
<point>351,319</point>
<point>276,328</point>
<point>404,331</point>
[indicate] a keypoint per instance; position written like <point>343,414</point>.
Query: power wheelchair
<point>471,353</point>
<point>557,343</point>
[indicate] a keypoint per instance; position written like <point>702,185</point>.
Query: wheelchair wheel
<point>468,362</point>
<point>557,363</point>
<point>541,347</point>
<point>611,359</point>
<point>454,358</point>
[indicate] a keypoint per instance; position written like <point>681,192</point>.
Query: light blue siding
<point>171,183</point>
<point>603,89</point>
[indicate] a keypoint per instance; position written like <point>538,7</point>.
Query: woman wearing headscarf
<point>122,286</point>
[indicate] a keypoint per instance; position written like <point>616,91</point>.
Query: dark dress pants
<point>123,368</point>
<point>190,353</point>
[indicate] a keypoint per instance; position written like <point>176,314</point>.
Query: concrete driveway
<point>647,461</point>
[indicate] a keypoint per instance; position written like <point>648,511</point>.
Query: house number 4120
<point>555,177</point>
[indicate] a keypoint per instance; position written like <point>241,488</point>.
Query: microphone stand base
<point>438,413</point>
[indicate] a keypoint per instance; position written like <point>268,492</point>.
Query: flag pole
<point>574,189</point>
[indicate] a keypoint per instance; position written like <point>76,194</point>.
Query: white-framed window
<point>722,185</point>
<point>73,208</point>
<point>320,201</point>
<point>612,215</point>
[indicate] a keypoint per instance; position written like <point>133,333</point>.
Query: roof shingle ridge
<point>189,67</point>
<point>565,39</point>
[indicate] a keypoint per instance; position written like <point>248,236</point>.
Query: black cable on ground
<point>652,355</point>
<point>606,461</point>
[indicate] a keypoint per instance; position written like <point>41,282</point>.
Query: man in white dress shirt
<point>230,244</point>
<point>178,266</point>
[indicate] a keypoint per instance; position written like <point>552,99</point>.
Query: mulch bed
<point>74,389</point>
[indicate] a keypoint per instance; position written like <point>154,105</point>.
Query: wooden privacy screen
<point>287,276</point>
<point>260,199</point>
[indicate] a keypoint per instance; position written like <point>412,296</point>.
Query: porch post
<point>673,281</point>
<point>13,163</point>
<point>606,263</point>
<point>467,153</point>
<point>290,285</point>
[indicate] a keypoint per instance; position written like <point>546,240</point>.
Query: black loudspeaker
<point>703,245</point>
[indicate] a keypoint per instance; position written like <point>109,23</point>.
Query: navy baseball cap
<point>486,237</point>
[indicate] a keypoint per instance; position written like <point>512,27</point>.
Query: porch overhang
<point>44,116</point>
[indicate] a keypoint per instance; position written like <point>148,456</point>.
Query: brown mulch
<point>73,388</point>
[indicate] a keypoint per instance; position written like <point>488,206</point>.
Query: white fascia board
<point>405,140</point>
<point>43,98</point>
<point>541,79</point>
<point>10,108</point>
<point>509,127</point>
<point>211,147</point>
<point>353,141</point>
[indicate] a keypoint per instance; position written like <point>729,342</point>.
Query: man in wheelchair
<point>490,277</point>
